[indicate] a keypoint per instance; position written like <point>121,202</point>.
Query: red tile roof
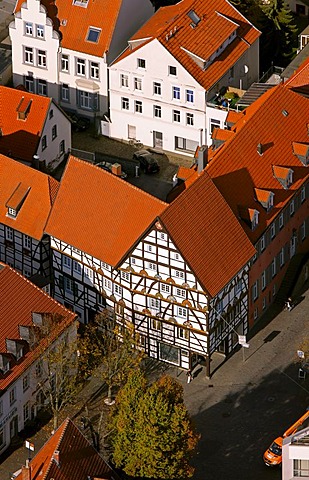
<point>20,138</point>
<point>300,78</point>
<point>18,299</point>
<point>33,213</point>
<point>238,163</point>
<point>218,19</point>
<point>78,460</point>
<point>99,213</point>
<point>73,21</point>
<point>300,148</point>
<point>208,234</point>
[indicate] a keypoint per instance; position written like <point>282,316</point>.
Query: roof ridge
<point>63,427</point>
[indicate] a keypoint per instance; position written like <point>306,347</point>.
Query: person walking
<point>288,304</point>
<point>189,376</point>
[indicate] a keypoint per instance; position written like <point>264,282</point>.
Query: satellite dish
<point>246,68</point>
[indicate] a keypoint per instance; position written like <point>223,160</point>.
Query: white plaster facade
<point>295,456</point>
<point>76,80</point>
<point>143,103</point>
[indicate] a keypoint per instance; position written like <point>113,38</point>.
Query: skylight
<point>80,3</point>
<point>194,17</point>
<point>93,34</point>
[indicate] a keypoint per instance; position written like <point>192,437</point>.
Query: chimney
<point>260,149</point>
<point>26,471</point>
<point>56,456</point>
<point>202,156</point>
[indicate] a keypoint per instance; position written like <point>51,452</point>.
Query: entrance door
<point>14,427</point>
<point>158,139</point>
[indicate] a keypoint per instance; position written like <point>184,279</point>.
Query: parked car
<point>108,167</point>
<point>79,124</point>
<point>147,161</point>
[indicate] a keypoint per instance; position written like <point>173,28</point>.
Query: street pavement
<point>252,398</point>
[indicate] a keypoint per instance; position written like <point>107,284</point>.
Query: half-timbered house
<point>26,198</point>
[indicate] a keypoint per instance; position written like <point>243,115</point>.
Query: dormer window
<point>16,200</point>
<point>4,363</point>
<point>254,218</point>
<point>284,175</point>
<point>301,150</point>
<point>12,212</point>
<point>93,34</point>
<point>265,198</point>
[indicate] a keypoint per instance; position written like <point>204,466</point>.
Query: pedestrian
<point>189,375</point>
<point>288,304</point>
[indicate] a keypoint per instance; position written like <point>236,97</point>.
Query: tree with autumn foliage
<point>153,435</point>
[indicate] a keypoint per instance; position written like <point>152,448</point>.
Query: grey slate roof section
<point>253,93</point>
<point>295,63</point>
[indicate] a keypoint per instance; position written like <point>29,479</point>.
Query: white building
<point>163,87</point>
<point>22,313</point>
<point>151,263</point>
<point>295,455</point>
<point>62,50</point>
<point>34,130</point>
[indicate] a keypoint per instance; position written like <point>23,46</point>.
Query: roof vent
<point>285,113</point>
<point>260,149</point>
<point>64,22</point>
<point>23,108</point>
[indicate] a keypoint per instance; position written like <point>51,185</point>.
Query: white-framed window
<point>176,92</point>
<point>124,103</point>
<point>105,266</point>
<point>219,306</point>
<point>262,243</point>
<point>303,230</point>
<point>94,70</point>
<point>93,34</point>
<point>238,287</point>
<point>26,272</point>
<point>107,284</point>
<point>9,235</point>
<point>80,67</point>
<point>180,292</point>
<point>39,368</point>
<point>213,123</point>
<point>179,274</point>
<point>133,261</point>
<point>138,106</point>
<point>61,147</point>
<point>77,267</point>
<point>141,63</point>
<point>88,273</point>
<point>263,278</point>
<point>172,70</point>
<point>51,113</point>
<point>156,324</point>
<point>28,55</point>
<point>163,236</point>
<point>137,83</point>
<point>292,208</point>
<point>26,382</point>
<point>40,31</point>
<point>85,99</point>
<point>256,313</point>
<point>281,257</point>
<point>152,266</point>
<point>65,92</point>
<point>303,194</point>
<point>183,333</point>
<point>125,276</point>
<point>301,468</point>
<point>117,289</point>
<point>190,119</point>
<point>273,230</point>
<point>124,80</point>
<point>157,111</point>
<point>12,212</point>
<point>12,395</point>
<point>176,256</point>
<point>176,116</point>
<point>28,28</point>
<point>150,248</point>
<point>154,303</point>
<point>189,96</point>
<point>27,242</point>
<point>29,83</point>
<point>281,220</point>
<point>42,87</point>
<point>157,89</point>
<point>41,58</point>
<point>68,284</point>
<point>255,290</point>
<point>26,412</point>
<point>264,303</point>
<point>165,288</point>
<point>65,63</point>
<point>273,267</point>
<point>54,132</point>
<point>182,312</point>
<point>44,142</point>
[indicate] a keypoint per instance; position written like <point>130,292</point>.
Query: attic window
<point>23,109</point>
<point>254,214</point>
<point>301,150</point>
<point>194,17</point>
<point>16,200</point>
<point>265,198</point>
<point>93,34</point>
<point>12,212</point>
<point>80,3</point>
<point>284,175</point>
